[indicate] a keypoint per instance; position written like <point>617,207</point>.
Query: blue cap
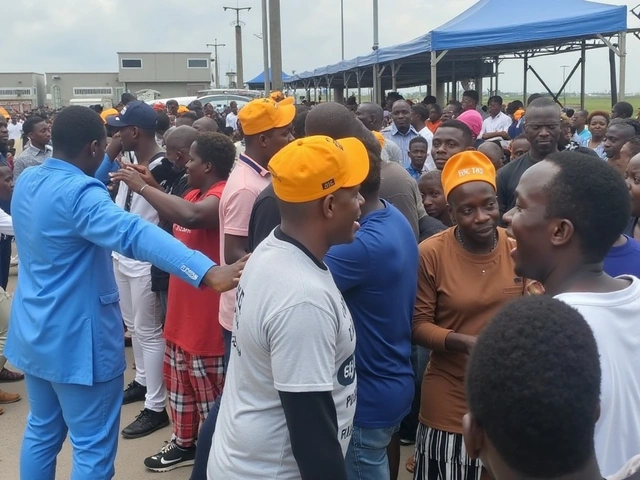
<point>135,114</point>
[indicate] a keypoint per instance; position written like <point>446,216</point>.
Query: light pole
<point>376,86</point>
<point>564,79</point>
<point>375,24</point>
<point>238,28</point>
<point>342,26</point>
<point>265,48</point>
<point>275,41</point>
<point>215,46</point>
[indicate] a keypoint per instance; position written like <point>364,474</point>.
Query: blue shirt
<point>515,129</point>
<point>66,325</point>
<point>599,150</point>
<point>623,260</point>
<point>377,275</point>
<point>416,174</point>
<point>106,167</point>
<point>401,139</point>
<point>583,137</point>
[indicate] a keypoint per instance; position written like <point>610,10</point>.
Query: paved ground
<point>130,452</point>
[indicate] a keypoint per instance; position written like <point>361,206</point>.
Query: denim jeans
<point>419,361</point>
<point>367,453</point>
<point>208,427</point>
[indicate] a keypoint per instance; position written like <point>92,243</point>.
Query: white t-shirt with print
<point>615,320</point>
<point>292,332</point>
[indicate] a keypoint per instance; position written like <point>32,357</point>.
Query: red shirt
<point>192,313</point>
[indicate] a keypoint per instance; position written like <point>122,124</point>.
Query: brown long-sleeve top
<point>457,292</point>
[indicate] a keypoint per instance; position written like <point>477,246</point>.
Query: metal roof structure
<point>471,45</point>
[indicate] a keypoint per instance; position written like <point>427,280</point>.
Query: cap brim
<point>287,112</point>
<point>358,161</point>
<point>114,121</point>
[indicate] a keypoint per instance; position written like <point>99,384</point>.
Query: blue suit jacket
<point>66,325</point>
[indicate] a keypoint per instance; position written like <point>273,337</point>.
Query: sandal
<point>411,464</point>
<point>9,376</point>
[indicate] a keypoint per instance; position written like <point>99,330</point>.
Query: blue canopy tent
<point>258,81</point>
<point>473,43</point>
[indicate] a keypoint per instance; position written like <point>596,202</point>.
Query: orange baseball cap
<point>313,167</point>
<point>182,109</point>
<point>379,137</point>
<point>276,96</point>
<point>264,114</point>
<point>465,167</point>
<point>109,112</point>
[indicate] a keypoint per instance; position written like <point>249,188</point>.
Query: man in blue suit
<point>66,326</point>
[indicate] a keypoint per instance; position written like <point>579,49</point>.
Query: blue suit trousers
<point>91,416</point>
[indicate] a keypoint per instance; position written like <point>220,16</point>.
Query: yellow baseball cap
<point>379,137</point>
<point>313,167</point>
<point>276,96</point>
<point>465,167</point>
<point>264,114</point>
<point>109,112</point>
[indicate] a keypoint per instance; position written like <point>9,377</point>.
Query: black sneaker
<point>134,393</point>
<point>146,423</point>
<point>171,456</point>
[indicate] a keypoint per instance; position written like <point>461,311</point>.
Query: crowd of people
<point>307,287</point>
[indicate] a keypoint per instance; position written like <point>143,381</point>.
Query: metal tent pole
<point>622,47</point>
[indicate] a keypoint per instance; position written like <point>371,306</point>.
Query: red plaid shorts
<point>193,384</point>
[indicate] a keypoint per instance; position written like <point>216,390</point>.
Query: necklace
<point>459,237</point>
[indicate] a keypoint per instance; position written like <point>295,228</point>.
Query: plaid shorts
<point>193,384</point>
<point>443,456</point>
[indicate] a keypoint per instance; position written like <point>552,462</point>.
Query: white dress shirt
<point>429,165</point>
<point>500,123</point>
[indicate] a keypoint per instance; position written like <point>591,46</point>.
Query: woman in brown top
<point>465,275</point>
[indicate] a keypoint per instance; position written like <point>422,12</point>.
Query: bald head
<point>494,152</point>
<point>182,137</point>
<point>331,119</point>
<point>371,115</point>
<point>205,124</point>
<point>167,133</point>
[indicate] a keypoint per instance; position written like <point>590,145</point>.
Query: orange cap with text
<point>465,167</point>
<point>264,114</point>
<point>313,167</point>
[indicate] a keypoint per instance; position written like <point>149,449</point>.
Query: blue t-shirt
<point>377,275</point>
<point>623,260</point>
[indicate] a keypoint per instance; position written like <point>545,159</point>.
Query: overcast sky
<point>84,35</point>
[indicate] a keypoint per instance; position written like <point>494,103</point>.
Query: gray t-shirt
<point>292,332</point>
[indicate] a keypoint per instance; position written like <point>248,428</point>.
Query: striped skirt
<point>443,456</point>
